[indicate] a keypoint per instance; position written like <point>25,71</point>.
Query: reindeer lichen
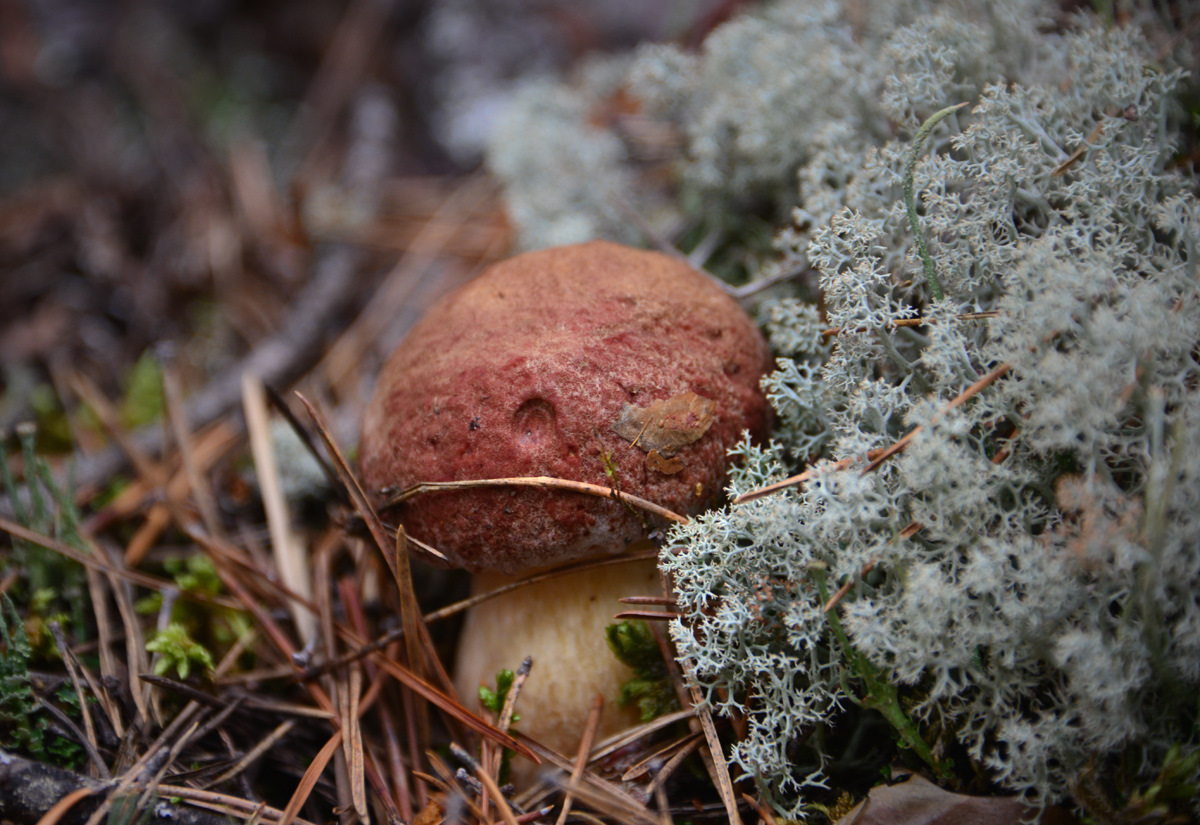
<point>1034,552</point>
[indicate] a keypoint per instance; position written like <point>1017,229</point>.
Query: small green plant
<point>50,584</point>
<point>650,688</point>
<point>493,700</point>
<point>177,650</point>
<point>142,394</point>
<point>213,626</point>
<point>23,723</point>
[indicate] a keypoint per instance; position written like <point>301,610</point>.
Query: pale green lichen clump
<point>1034,553</point>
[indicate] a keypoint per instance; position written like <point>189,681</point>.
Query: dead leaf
<point>666,426</point>
<point>917,801</point>
<point>667,466</point>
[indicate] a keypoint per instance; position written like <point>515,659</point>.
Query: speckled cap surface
<point>594,362</point>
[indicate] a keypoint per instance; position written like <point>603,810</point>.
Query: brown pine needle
<point>541,482</point>
<point>661,600</point>
<point>845,588</point>
<point>626,738</point>
<point>581,757</point>
<point>226,804</point>
<point>793,481</point>
<point>60,808</point>
<point>256,752</point>
<point>671,765</point>
<point>647,615</point>
<point>465,604</point>
<point>309,780</point>
<point>393,553</point>
<point>963,397</point>
<point>763,812</point>
<point>876,457</point>
<point>647,764</point>
<point>1062,168</point>
<point>716,754</point>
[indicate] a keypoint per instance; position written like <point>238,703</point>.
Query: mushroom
<point>596,363</point>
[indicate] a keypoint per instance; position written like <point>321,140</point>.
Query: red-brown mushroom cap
<point>547,365</point>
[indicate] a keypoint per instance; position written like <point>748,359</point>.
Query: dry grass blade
<point>542,482</point>
<point>353,744</point>
<point>291,557</point>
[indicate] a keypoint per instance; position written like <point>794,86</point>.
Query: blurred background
<point>206,186</point>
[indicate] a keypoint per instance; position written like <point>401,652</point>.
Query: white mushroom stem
<point>560,622</point>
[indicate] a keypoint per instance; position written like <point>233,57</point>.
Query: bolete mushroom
<point>596,363</point>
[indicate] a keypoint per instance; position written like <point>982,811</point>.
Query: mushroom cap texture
<point>525,371</point>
